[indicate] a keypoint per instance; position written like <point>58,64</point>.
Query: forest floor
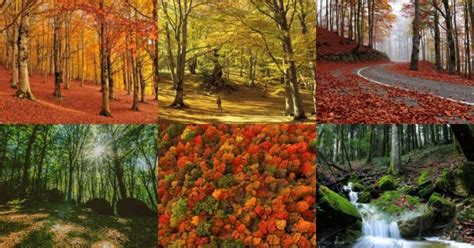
<point>79,105</point>
<point>385,92</point>
<point>246,105</point>
<point>62,225</point>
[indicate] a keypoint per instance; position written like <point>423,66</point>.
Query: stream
<point>381,231</point>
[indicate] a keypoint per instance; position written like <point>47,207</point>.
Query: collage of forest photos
<point>236,123</point>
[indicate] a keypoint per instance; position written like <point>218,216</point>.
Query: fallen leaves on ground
<point>79,105</point>
<point>343,97</point>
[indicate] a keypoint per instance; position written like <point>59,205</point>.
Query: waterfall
<point>374,222</point>
<point>379,230</point>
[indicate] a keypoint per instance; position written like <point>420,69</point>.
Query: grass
<point>63,225</point>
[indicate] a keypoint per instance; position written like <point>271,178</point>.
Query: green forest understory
<point>398,186</point>
<point>78,186</point>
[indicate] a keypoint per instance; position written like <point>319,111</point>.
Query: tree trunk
<point>437,38</point>
<point>416,38</point>
<point>24,91</point>
<point>26,164</point>
<point>395,167</point>
<point>58,71</point>
<point>465,137</point>
<point>105,111</point>
<point>451,57</point>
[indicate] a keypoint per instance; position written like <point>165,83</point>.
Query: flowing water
<point>381,231</point>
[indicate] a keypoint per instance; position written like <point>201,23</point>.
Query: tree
<point>416,38</point>
<point>395,165</point>
<point>465,137</point>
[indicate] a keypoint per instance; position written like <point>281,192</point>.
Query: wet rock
<point>100,205</point>
<point>414,227</point>
<point>130,207</point>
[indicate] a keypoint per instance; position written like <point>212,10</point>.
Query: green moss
<point>438,202</point>
<point>395,202</point>
<point>364,197</point>
<point>225,181</point>
<point>204,229</point>
<point>387,182</point>
<point>358,187</point>
<point>443,208</point>
<point>424,178</point>
<point>178,211</point>
<point>406,189</point>
<point>443,180</point>
<point>337,202</point>
<point>208,205</point>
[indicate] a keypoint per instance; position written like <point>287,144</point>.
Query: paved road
<point>379,74</point>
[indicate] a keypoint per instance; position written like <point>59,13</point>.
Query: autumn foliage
<point>236,186</point>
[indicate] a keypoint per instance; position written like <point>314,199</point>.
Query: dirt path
<point>247,105</point>
<point>380,74</point>
<point>80,105</point>
<point>62,225</point>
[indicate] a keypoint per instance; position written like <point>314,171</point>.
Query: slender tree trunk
<point>26,164</point>
<point>451,58</point>
<point>395,167</point>
<point>105,111</point>
<point>416,38</point>
<point>58,70</point>
<point>437,38</point>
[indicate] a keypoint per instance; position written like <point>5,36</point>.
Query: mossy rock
<point>424,178</point>
<point>364,197</point>
<point>395,202</point>
<point>407,189</point>
<point>463,183</point>
<point>387,182</point>
<point>420,224</point>
<point>443,208</point>
<point>358,187</point>
<point>443,182</point>
<point>337,202</point>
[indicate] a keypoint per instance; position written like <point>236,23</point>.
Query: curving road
<point>454,92</point>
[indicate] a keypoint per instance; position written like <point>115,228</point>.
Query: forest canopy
<point>78,163</point>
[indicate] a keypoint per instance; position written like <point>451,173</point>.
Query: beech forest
<point>237,61</point>
<point>78,185</point>
<point>237,185</point>
<point>65,61</point>
<point>401,61</point>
